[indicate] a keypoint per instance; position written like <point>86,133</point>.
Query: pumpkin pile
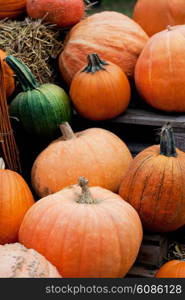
<point>83,210</point>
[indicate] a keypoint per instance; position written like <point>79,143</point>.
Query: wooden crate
<point>153,253</point>
<point>154,119</point>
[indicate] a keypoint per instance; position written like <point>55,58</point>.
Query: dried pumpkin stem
<point>67,132</point>
<point>169,27</point>
<point>167,141</point>
<point>2,164</point>
<point>85,196</point>
<point>94,64</point>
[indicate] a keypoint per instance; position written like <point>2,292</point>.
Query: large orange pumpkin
<point>160,70</point>
<point>155,15</point>
<point>96,153</point>
<point>84,232</point>
<point>8,75</point>
<point>15,199</point>
<point>172,269</point>
<point>11,8</point>
<point>112,35</point>
<point>16,261</point>
<point>101,90</point>
<point>155,185</point>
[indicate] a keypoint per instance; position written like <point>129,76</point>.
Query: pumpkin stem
<point>85,196</point>
<point>167,141</point>
<point>94,64</point>
<point>67,131</point>
<point>169,27</point>
<point>2,164</point>
<point>23,73</point>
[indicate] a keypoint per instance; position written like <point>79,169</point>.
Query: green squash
<point>40,108</point>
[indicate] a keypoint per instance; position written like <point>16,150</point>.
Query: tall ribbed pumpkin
<point>101,90</point>
<point>8,75</point>
<point>160,70</point>
<point>15,199</point>
<point>155,185</point>
<point>155,15</point>
<point>112,35</point>
<point>12,8</point>
<point>40,108</point>
<point>84,232</point>
<point>16,261</point>
<point>95,153</point>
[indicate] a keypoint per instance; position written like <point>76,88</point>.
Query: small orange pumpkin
<point>15,199</point>
<point>84,232</point>
<point>155,185</point>
<point>95,152</point>
<point>172,269</point>
<point>18,262</point>
<point>8,75</point>
<point>101,90</point>
<point>12,8</point>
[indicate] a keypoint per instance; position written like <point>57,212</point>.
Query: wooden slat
<point>141,272</point>
<point>152,118</point>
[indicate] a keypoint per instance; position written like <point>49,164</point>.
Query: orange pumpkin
<point>84,232</point>
<point>18,262</point>
<point>64,13</point>
<point>96,153</point>
<point>12,8</point>
<point>15,199</point>
<point>160,13</point>
<point>112,35</point>
<point>172,269</point>
<point>8,75</point>
<point>101,90</point>
<point>160,70</point>
<point>155,185</point>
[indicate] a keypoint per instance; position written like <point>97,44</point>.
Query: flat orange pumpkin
<point>85,232</point>
<point>95,152</point>
<point>112,35</point>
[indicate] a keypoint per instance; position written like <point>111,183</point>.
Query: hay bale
<point>36,43</point>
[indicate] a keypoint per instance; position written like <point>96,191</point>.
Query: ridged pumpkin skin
<point>8,75</point>
<point>40,108</point>
<point>64,13</point>
<point>172,269</point>
<point>18,262</point>
<point>96,153</point>
<point>12,8</point>
<point>15,199</point>
<point>112,35</point>
<point>160,14</point>
<point>155,186</point>
<point>98,238</point>
<point>101,90</point>
<point>160,70</point>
